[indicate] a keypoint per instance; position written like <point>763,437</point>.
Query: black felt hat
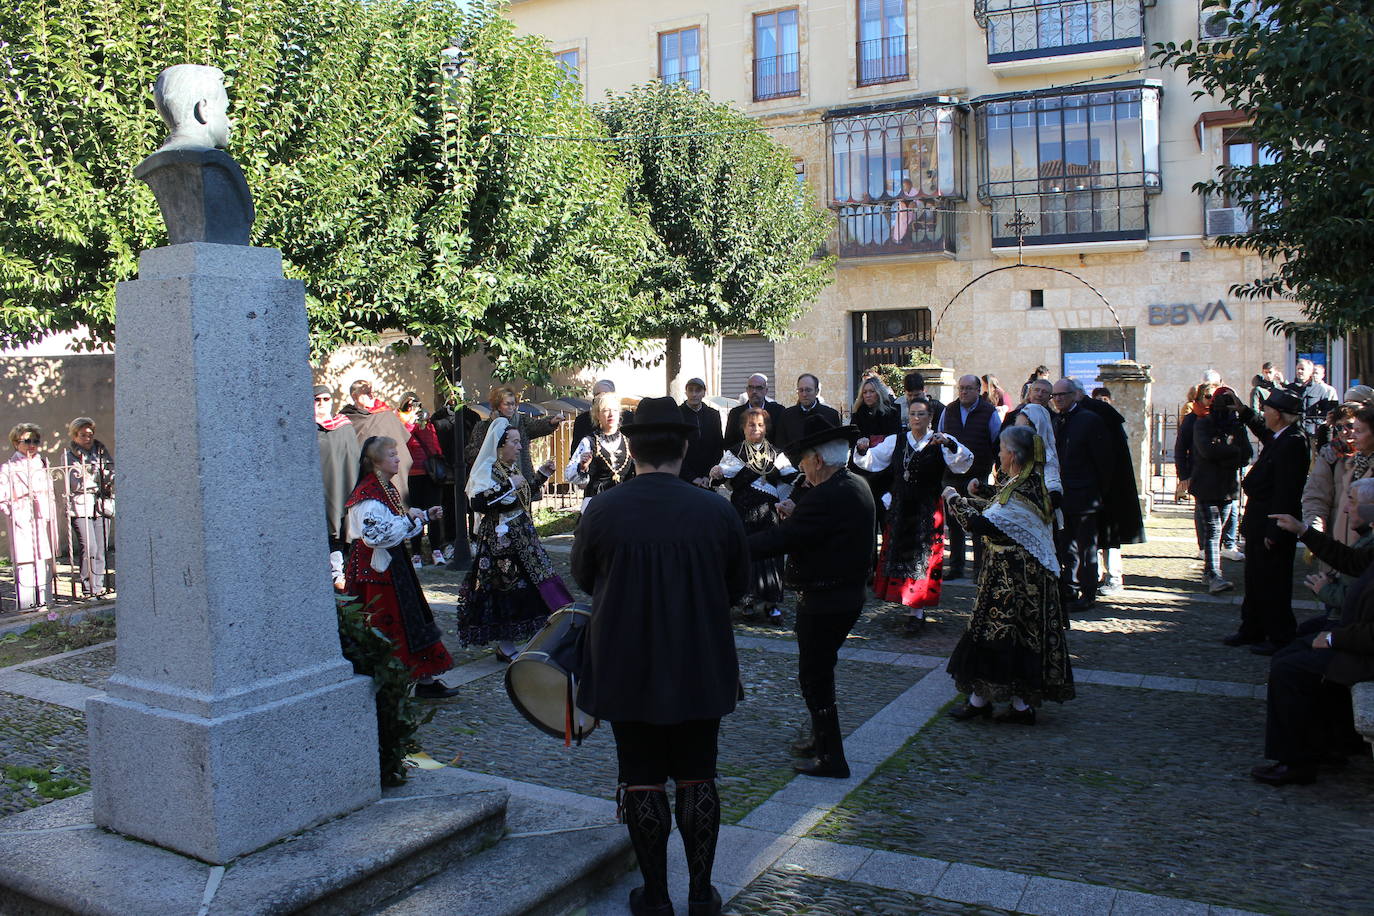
<point>817,431</point>
<point>657,415</point>
<point>1283,401</point>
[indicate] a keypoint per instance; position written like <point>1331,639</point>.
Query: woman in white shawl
<point>512,587</point>
<point>1014,648</point>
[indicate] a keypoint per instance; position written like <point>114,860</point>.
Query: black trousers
<point>650,755</point>
<point>824,619</point>
<point>1306,714</point>
<point>1077,547</point>
<point>1267,612</point>
<point>424,494</point>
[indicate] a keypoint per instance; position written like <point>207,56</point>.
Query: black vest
<point>973,435</point>
<point>602,474</point>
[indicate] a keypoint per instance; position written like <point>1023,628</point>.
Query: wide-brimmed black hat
<point>657,415</point>
<point>1284,401</point>
<point>819,430</point>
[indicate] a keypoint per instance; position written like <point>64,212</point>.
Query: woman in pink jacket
<point>26,499</point>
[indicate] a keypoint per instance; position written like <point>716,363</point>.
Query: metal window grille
<point>777,77</point>
<point>1021,29</point>
<point>882,60</point>
<point>895,227</point>
<point>888,337</point>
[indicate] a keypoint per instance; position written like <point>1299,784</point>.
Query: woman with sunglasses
<point>26,499</point>
<point>1344,459</point>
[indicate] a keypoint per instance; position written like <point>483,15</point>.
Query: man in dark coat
<point>370,417</point>
<point>706,442</point>
<point>757,390</point>
<point>339,452</point>
<point>663,561</point>
<point>1272,486</point>
<point>1085,457</point>
<point>972,421</point>
<point>914,385</point>
<point>828,538</point>
<point>445,423</point>
<point>1309,711</point>
<point>1120,521</point>
<point>793,419</point>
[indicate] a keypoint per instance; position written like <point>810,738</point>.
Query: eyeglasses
<point>758,387</point>
<point>1344,427</point>
<point>322,398</point>
<point>30,440</point>
<point>1061,394</point>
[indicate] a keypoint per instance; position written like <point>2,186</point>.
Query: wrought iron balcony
<point>777,77</point>
<point>1088,214</point>
<point>882,60</point>
<point>901,226</point>
<point>691,78</point>
<point>1021,30</point>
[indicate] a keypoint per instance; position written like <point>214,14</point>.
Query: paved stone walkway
<point>1133,798</point>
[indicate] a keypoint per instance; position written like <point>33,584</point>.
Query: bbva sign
<point>1183,313</point>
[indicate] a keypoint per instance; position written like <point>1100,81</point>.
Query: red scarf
<point>371,487</point>
<point>334,423</point>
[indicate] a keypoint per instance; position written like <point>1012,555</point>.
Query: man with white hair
<point>756,395</point>
<point>973,422</point>
<point>828,538</point>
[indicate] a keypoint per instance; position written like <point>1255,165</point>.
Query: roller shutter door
<point>741,357</point>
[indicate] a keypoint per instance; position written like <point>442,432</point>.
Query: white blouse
<point>379,527</point>
<point>879,456</point>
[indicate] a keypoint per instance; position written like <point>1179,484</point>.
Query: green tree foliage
<point>405,199</point>
<point>1303,69</point>
<point>735,235</point>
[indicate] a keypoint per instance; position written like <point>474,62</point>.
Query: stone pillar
<point>1130,383</point>
<point>232,719</point>
<point>939,383</point>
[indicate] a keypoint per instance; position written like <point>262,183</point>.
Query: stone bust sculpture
<point>200,190</point>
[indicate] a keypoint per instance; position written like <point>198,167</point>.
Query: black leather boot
<point>829,760</point>
<point>698,820</point>
<point>646,813</point>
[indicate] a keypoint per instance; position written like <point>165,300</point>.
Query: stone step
<point>552,862</point>
<point>54,860</point>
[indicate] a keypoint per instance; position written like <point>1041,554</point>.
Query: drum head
<point>537,680</point>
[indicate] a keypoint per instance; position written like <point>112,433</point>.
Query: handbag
<point>438,469</point>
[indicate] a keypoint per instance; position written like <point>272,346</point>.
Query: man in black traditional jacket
<point>1272,486</point>
<point>828,538</point>
<point>793,420</point>
<point>663,561</point>
<point>705,444</point>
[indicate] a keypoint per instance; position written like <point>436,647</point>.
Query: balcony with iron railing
<point>895,227</point>
<point>882,60</point>
<point>690,78</point>
<point>777,77</point>
<point>1040,36</point>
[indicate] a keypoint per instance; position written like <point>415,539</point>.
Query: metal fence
<point>60,541</point>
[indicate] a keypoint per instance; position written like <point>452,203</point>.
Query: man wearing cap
<point>663,561</point>
<point>828,538</point>
<point>339,451</point>
<point>705,444</point>
<point>793,419</point>
<point>1273,486</point>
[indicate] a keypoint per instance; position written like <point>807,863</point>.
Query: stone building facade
<point>926,126</point>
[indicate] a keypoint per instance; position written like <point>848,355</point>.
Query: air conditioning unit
<point>1227,221</point>
<point>1211,26</point>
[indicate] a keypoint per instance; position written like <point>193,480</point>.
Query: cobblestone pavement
<point>1131,788</point>
<point>41,746</point>
<point>91,669</point>
<point>491,737</point>
<point>778,892</point>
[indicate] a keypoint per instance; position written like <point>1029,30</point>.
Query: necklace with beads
<point>616,461</point>
<point>759,458</point>
<point>393,496</point>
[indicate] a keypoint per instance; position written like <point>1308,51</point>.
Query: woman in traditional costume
<point>379,571</point>
<point>512,587</point>
<point>758,477</point>
<point>911,562</point>
<point>26,499</point>
<point>602,459</point>
<point>1014,648</point>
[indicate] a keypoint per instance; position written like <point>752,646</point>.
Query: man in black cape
<point>1120,521</point>
<point>663,561</point>
<point>339,451</point>
<point>706,441</point>
<point>828,538</point>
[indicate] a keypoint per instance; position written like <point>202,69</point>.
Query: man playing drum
<point>664,561</point>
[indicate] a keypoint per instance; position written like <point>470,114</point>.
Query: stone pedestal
<point>939,383</point>
<point>232,719</point>
<point>1130,382</point>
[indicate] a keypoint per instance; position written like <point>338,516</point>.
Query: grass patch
<point>53,637</point>
<point>50,784</point>
<point>549,522</point>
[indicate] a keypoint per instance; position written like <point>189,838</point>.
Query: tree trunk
<point>672,366</point>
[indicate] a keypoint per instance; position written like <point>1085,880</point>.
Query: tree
<point>735,234</point>
<point>405,199</point>
<point>1303,69</point>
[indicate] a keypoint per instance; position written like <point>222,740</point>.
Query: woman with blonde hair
<point>379,571</point>
<point>26,499</point>
<point>602,459</point>
<point>511,588</point>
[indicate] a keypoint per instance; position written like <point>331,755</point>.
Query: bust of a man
<point>200,190</point>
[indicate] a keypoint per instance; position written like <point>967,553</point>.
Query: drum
<point>542,681</point>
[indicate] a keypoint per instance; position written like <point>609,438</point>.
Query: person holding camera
<point>428,471</point>
<point>1220,449</point>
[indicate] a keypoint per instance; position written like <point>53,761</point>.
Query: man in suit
<point>706,444</point>
<point>1309,714</point>
<point>1085,456</point>
<point>756,395</point>
<point>808,402</point>
<point>1273,486</point>
<point>828,538</point>
<point>972,421</point>
<point>663,562</point>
